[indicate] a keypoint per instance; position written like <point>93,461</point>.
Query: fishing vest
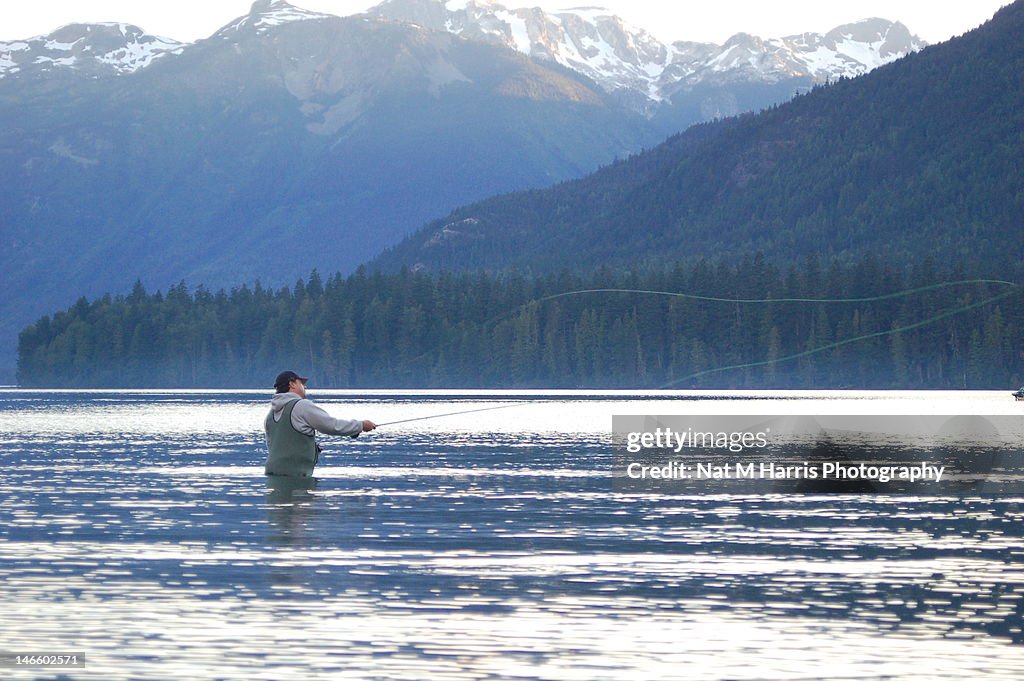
<point>290,452</point>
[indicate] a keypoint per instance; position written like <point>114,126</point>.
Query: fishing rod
<point>878,334</point>
<point>821,348</point>
<point>453,413</point>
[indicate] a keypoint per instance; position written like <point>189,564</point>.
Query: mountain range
<point>652,76</point>
<point>290,139</point>
<point>918,159</point>
<point>705,79</point>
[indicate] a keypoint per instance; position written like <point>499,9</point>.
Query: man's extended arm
<point>307,417</point>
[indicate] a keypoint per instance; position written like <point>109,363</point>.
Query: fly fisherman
<point>292,425</point>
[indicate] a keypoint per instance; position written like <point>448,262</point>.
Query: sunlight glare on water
<point>138,528</point>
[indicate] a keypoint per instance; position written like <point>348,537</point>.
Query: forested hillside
<point>923,157</point>
<point>478,330</point>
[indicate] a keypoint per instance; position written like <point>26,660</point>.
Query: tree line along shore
<point>603,329</point>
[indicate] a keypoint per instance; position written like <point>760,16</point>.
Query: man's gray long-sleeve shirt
<point>310,419</point>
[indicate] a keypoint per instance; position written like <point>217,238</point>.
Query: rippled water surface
<point>138,528</point>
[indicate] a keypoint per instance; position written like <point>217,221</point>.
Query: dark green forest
<point>417,330</point>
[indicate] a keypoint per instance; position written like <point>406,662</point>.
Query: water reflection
<point>472,550</point>
<point>289,509</point>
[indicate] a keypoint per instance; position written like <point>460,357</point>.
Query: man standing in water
<point>292,425</point>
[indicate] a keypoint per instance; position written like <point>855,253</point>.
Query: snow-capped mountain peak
<point>630,62</point>
<point>89,48</point>
<point>267,14</point>
<point>852,49</point>
<point>589,40</point>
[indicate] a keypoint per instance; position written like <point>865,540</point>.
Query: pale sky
<point>668,20</point>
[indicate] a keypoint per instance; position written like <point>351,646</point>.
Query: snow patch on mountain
<point>519,33</point>
<point>91,48</point>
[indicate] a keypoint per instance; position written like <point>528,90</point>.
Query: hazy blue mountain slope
<point>272,148</point>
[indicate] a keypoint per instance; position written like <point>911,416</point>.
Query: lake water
<point>138,529</point>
